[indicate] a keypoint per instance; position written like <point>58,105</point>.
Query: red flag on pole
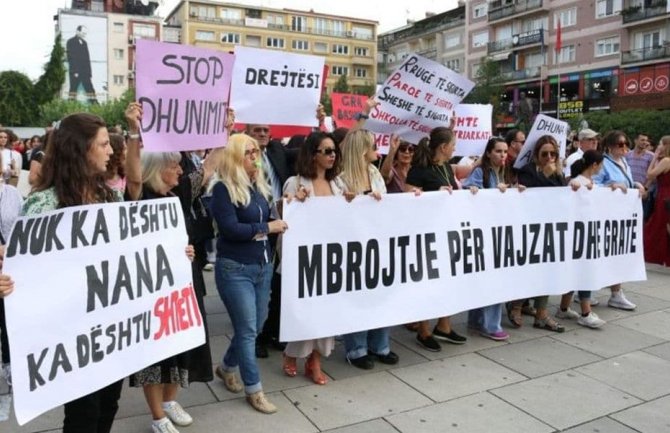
<point>558,36</point>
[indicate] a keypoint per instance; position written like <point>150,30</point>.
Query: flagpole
<point>558,69</point>
<point>543,62</point>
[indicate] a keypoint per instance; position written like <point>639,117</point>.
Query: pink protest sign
<point>184,92</point>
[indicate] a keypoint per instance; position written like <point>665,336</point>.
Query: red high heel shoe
<point>311,369</point>
<point>289,367</point>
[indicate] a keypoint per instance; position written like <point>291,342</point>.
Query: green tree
<point>112,112</point>
<point>368,90</point>
<point>50,83</point>
<point>488,86</point>
<point>632,122</point>
<point>342,86</point>
<point>17,99</point>
<point>327,104</point>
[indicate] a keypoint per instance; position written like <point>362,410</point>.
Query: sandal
<point>528,310</point>
<point>289,366</point>
<point>514,315</point>
<point>549,324</point>
<point>412,327</point>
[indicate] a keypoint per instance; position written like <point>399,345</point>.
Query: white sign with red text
<point>112,296</point>
<point>543,125</point>
<point>472,128</point>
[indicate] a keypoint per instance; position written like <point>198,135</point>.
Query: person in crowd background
<point>657,228</point>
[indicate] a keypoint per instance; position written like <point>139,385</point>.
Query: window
<point>608,46</point>
<point>321,26</point>
<point>480,39</point>
<point>566,55</point>
<point>298,23</point>
<point>474,70</point>
<point>361,52</point>
<point>146,31</point>
<point>274,42</point>
<point>276,21</point>
<point>361,73</point>
<point>534,60</point>
<point>118,54</point>
<point>453,64</point>
<point>118,27</point>
<point>203,11</point>
<point>230,38</point>
<point>338,28</point>
<point>648,40</point>
<point>362,32</point>
<point>503,33</point>
<point>320,47</point>
<point>568,17</point>
<point>340,70</point>
<point>480,10</point>
<point>340,49</point>
<point>536,24</point>
<point>300,45</point>
<point>607,8</point>
<point>118,80</point>
<point>452,40</point>
<point>203,35</point>
<point>231,14</point>
<point>253,41</point>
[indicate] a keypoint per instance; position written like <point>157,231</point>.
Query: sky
<point>27,29</point>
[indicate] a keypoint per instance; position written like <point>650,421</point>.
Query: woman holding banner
<point>431,171</point>
<point>491,173</point>
<point>240,205</point>
<point>544,170</point>
<point>360,176</point>
<point>317,168</point>
<point>73,174</point>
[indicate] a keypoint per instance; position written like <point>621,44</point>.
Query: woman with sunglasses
<point>544,170</point>
<point>491,173</point>
<point>616,174</point>
<point>397,164</point>
<point>431,171</point>
<point>317,169</point>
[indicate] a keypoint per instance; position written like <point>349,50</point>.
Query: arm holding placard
<point>133,166</point>
<point>365,114</point>
<point>387,167</point>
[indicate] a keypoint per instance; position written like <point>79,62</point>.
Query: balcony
<point>430,53</point>
<point>517,41</point>
<point>522,74</point>
<point>633,14</point>
<point>645,54</point>
<point>510,9</point>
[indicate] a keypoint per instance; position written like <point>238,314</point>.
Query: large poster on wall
<point>85,43</point>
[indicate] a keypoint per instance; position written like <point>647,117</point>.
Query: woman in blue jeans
<point>241,208</point>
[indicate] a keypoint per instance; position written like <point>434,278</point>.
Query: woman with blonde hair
<point>240,205</point>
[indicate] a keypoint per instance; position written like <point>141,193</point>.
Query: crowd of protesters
<point>240,188</point>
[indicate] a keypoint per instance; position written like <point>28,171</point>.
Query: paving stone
<point>51,420</point>
<point>565,399</point>
<point>354,400</point>
<point>651,417</point>
<point>608,341</point>
<point>661,350</point>
<point>655,324</point>
<point>601,425</point>
<point>449,378</point>
<point>479,413</point>
<point>638,373</point>
<point>219,324</point>
<point>539,357</point>
<point>133,402</point>
<point>375,426</point>
<point>645,304</point>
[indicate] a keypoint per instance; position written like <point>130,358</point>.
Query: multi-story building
<point>440,37</point>
<point>348,44</point>
<point>102,34</point>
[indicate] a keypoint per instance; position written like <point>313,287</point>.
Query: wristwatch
<point>359,116</point>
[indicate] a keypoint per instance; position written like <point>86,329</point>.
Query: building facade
<point>348,44</point>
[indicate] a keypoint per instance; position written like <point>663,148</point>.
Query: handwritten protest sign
<point>339,277</point>
<point>345,107</point>
<point>184,93</point>
<point>543,125</point>
<point>383,142</point>
<point>417,97</point>
<point>113,295</point>
<point>473,128</point>
<point>276,87</point>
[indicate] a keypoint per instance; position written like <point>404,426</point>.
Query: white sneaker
<point>618,300</point>
<point>568,314</point>
<point>163,426</point>
<point>594,301</point>
<point>208,267</point>
<point>591,321</point>
<point>177,414</point>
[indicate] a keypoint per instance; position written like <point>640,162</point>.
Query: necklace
<point>443,173</point>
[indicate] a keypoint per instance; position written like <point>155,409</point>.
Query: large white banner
<point>102,291</point>
<point>276,87</point>
<point>472,129</point>
<point>543,125</point>
<point>367,264</point>
<point>418,96</point>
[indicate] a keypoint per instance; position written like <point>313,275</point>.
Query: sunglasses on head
<point>548,153</point>
<point>327,151</point>
<point>406,148</point>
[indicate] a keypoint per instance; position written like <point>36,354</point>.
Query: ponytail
<point>589,158</point>
<point>422,154</point>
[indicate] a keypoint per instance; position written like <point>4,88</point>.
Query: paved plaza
<point>612,380</point>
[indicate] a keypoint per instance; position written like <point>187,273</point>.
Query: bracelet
<point>135,136</point>
<point>359,116</point>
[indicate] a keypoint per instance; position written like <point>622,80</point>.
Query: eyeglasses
<point>406,148</point>
<point>249,152</point>
<point>260,130</point>
<point>622,144</point>
<point>327,151</point>
<point>548,154</point>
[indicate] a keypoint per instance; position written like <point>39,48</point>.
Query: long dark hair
<point>541,142</point>
<point>611,139</point>
<point>305,166</point>
<point>487,166</point>
<point>427,147</point>
<point>589,158</point>
<point>115,165</point>
<point>65,166</point>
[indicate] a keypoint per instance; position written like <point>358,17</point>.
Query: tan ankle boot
<point>230,380</point>
<point>259,402</point>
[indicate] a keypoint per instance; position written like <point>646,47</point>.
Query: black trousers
<point>3,333</point>
<point>93,413</point>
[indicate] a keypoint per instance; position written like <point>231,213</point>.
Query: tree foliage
<point>112,112</point>
<point>632,122</point>
<point>49,84</point>
<point>488,86</point>
<point>17,99</point>
<point>341,86</point>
